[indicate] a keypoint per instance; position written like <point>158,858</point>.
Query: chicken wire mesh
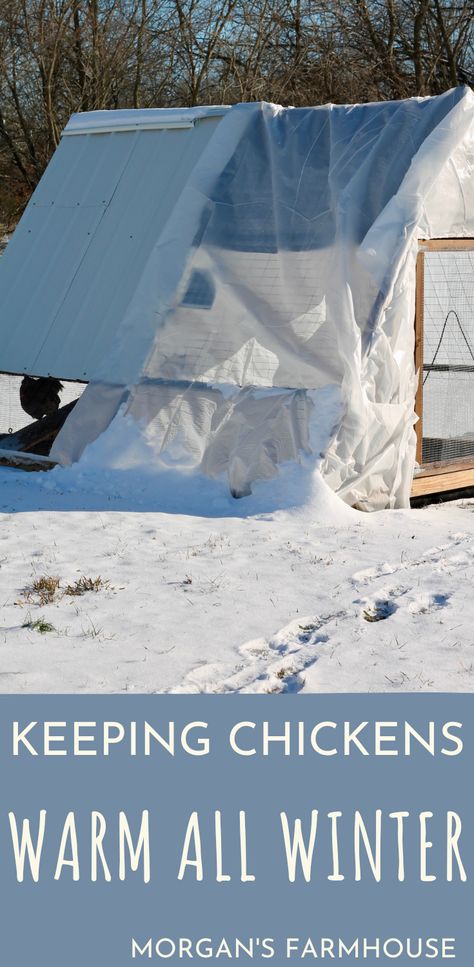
<point>12,416</point>
<point>448,356</point>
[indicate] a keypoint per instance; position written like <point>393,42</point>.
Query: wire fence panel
<point>448,356</point>
<point>12,416</point>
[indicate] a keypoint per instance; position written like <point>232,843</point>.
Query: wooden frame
<point>442,475</point>
<point>25,461</point>
<point>446,245</point>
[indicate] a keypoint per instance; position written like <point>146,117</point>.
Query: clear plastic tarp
<point>287,266</point>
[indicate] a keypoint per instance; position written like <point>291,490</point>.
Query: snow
<point>271,593</point>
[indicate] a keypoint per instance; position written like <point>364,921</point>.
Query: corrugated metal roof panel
<point>75,259</point>
<point>84,171</point>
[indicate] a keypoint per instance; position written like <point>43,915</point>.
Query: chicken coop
<point>205,276</point>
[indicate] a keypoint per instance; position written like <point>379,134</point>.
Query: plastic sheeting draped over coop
<point>285,265</point>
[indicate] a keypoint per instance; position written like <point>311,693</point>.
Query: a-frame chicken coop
<point>209,274</point>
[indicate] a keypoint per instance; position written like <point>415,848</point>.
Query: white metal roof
<point>74,261</point>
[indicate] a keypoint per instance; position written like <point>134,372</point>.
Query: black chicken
<point>40,397</point>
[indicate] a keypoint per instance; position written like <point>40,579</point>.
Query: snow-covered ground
<point>242,596</point>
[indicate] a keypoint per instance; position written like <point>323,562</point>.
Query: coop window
<point>200,293</point>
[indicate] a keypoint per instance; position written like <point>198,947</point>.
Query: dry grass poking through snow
<point>47,589</point>
<point>42,591</point>
<point>83,585</point>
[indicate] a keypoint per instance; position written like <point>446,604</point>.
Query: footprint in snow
<point>372,573</point>
<point>379,610</point>
<point>425,603</point>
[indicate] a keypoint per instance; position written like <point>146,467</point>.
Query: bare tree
<point>62,56</point>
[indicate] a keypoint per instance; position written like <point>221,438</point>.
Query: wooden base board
<point>25,461</point>
<point>436,483</point>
